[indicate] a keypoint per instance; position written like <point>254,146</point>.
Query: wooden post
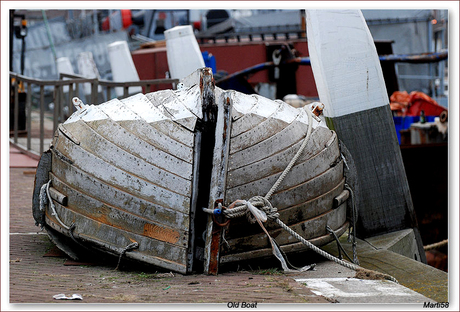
<point>350,83</point>
<point>218,182</point>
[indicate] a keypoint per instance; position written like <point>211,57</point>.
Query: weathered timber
<point>163,227</point>
<point>115,240</point>
<point>277,162</point>
<point>291,134</point>
<point>350,83</point>
<point>288,249</point>
<point>307,229</point>
<point>58,196</point>
<point>291,215</point>
<point>139,127</point>
<point>128,161</point>
<point>140,170</point>
<point>41,177</point>
<point>167,240</point>
<point>300,173</point>
<point>307,190</point>
<point>105,193</point>
<point>114,133</point>
<point>119,178</point>
<point>218,176</point>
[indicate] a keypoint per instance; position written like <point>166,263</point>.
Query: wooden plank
<point>163,229</point>
<point>148,131</point>
<point>297,194</point>
<point>350,83</point>
<point>177,111</point>
<point>288,248</point>
<point>242,104</point>
<point>308,229</point>
<point>309,209</point>
<point>300,173</point>
<point>115,240</point>
<point>260,109</point>
<point>264,130</point>
<point>119,178</point>
<point>273,121</point>
<point>125,160</point>
<point>104,190</point>
<point>321,139</point>
<point>287,137</point>
<point>147,109</point>
<point>284,139</point>
<point>114,133</point>
<point>191,98</point>
<point>246,123</point>
<point>194,231</point>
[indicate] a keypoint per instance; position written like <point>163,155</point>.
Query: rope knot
<point>264,206</point>
<point>256,208</point>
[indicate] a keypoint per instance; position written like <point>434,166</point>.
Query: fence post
<point>94,87</point>
<point>42,117</point>
<point>16,110</point>
<point>77,89</point>
<point>29,115</point>
<point>57,97</point>
<point>68,103</point>
<point>62,102</point>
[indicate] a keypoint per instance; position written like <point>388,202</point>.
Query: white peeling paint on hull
<point>129,170</point>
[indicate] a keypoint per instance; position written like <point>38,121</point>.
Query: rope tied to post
<point>256,206</point>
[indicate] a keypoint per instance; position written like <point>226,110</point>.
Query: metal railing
<point>64,90</point>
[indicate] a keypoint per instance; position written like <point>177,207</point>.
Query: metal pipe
<point>406,58</point>
<point>48,31</point>
<point>96,26</point>
<point>430,66</point>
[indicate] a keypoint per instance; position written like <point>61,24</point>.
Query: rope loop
<point>257,207</point>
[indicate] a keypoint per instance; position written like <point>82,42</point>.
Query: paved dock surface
<point>38,271</point>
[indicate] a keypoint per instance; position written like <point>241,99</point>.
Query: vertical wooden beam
<point>218,180</point>
<point>350,83</point>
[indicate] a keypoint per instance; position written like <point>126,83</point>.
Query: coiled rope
<point>259,209</point>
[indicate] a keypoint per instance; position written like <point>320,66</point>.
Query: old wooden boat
<point>131,177</point>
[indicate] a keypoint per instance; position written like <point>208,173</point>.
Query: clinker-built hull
<point>131,177</point>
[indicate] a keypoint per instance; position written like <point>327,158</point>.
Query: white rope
<point>296,156</point>
<point>435,245</point>
<point>51,205</point>
<point>269,212</point>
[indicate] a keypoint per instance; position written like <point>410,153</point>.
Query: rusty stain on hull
<point>163,234</point>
